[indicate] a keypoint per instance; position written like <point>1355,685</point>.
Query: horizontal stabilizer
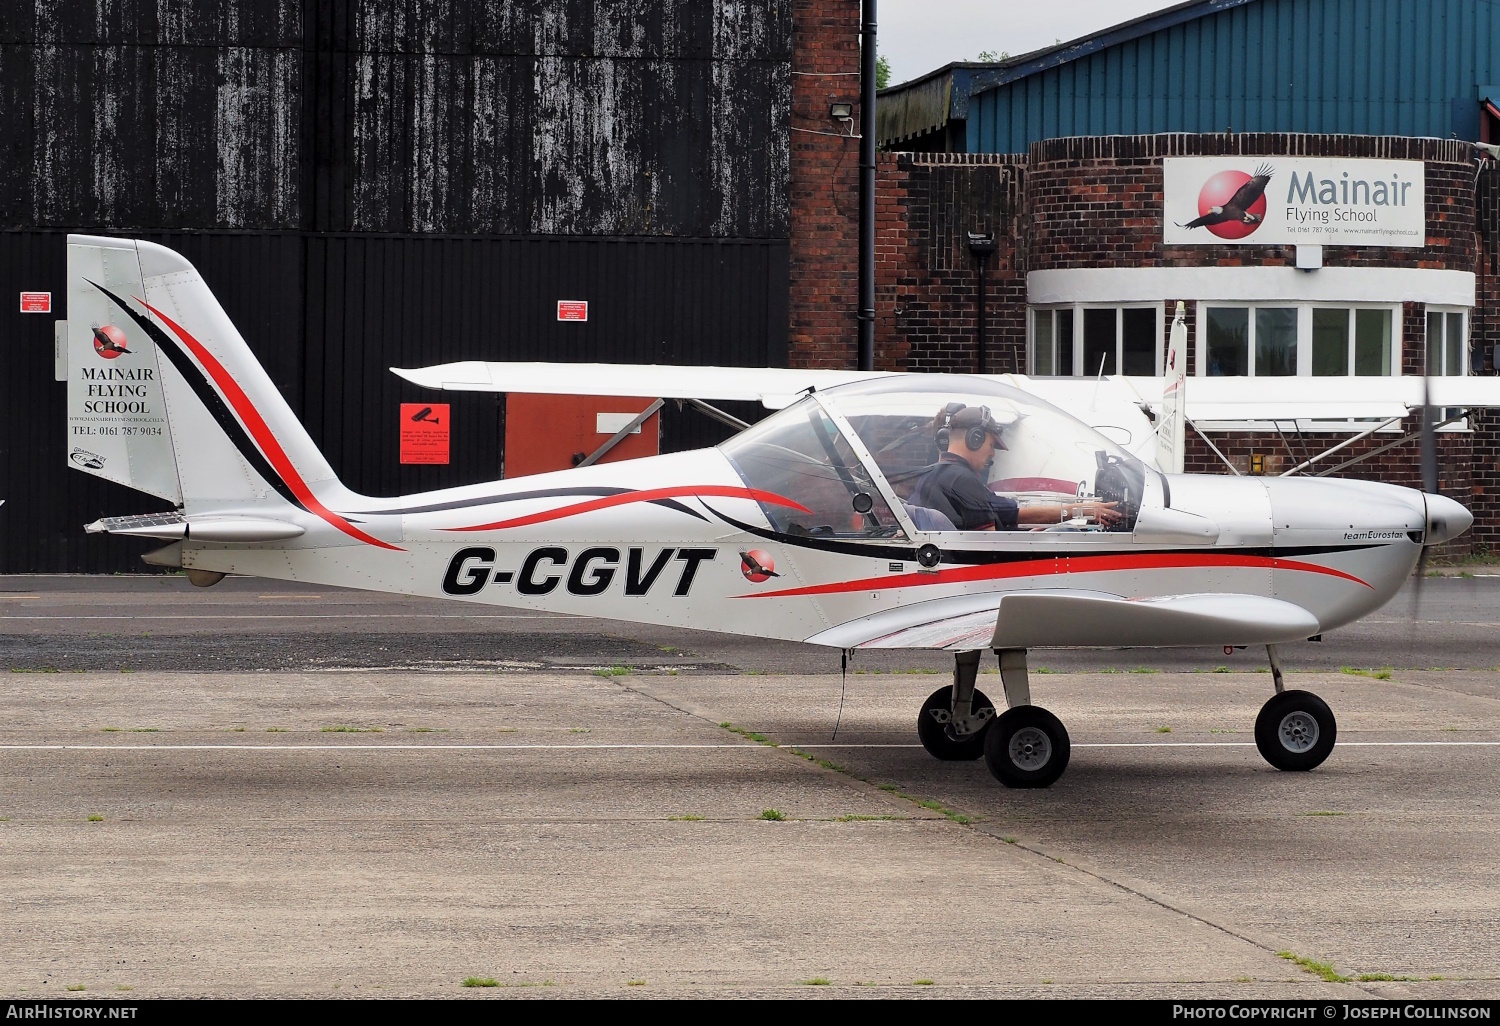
<point>175,527</point>
<point>1078,619</point>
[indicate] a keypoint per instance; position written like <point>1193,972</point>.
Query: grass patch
<point>1010,840</point>
<point>276,730</point>
<point>1383,673</point>
<point>613,671</point>
<point>1220,669</point>
<point>123,986</point>
<point>750,735</point>
<point>1144,669</point>
<point>1043,669</point>
<point>1322,812</point>
<point>1222,730</point>
<point>635,983</point>
<point>1309,965</point>
<point>1164,730</point>
<point>579,730</point>
<point>145,730</point>
<point>76,986</point>
<point>852,818</point>
<point>96,819</point>
<point>352,730</point>
<point>817,981</point>
<point>922,983</point>
<point>774,815</point>
<point>888,787</point>
<point>690,818</point>
<point>480,981</point>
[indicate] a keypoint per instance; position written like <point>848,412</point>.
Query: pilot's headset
<point>974,437</point>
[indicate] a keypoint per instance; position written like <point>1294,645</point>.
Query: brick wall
<point>824,187</point>
<point>927,279</point>
<point>1097,202</point>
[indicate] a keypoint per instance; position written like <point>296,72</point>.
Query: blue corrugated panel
<point>1364,67</point>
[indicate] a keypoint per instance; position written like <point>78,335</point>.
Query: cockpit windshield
<point>801,456</point>
<point>944,444</point>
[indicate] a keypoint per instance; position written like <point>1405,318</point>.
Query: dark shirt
<point>954,489</point>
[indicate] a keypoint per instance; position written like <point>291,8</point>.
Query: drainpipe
<point>867,189</point>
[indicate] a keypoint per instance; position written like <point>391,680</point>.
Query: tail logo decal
<point>109,342</point>
<point>264,453</point>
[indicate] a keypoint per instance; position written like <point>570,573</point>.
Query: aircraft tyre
<point>1027,747</point>
<point>941,744</point>
<point>1295,730</point>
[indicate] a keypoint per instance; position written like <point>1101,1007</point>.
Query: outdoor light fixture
<point>841,111</point>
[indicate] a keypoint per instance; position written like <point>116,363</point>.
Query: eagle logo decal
<point>757,566</point>
<point>109,342</point>
<point>1232,204</point>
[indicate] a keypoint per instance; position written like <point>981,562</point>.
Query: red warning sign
<point>36,302</point>
<point>424,432</point>
<point>572,309</point>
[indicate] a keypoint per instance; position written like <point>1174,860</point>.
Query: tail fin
<point>165,396</point>
<point>1171,433</point>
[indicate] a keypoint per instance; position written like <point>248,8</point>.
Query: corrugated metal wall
<point>1363,67</point>
<point>376,183</point>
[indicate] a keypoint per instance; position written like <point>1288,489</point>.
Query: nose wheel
<point>1295,729</point>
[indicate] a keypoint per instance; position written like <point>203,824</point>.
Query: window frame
<point>1075,345</point>
<point>1304,310</point>
<point>1463,350</point>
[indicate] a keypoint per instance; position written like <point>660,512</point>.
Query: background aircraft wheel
<point>1295,730</point>
<point>1027,747</point>
<point>941,744</point>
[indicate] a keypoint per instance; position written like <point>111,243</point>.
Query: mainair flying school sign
<point>1276,201</point>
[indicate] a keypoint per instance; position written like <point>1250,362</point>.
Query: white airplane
<point>803,527</point>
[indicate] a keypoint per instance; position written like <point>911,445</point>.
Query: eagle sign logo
<point>1232,204</point>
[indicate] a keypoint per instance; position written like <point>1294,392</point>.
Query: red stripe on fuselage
<point>1058,566</point>
<point>645,495</point>
<point>261,432</point>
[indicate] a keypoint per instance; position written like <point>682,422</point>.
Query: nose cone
<point>1446,519</point>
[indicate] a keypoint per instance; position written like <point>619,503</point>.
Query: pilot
<point>967,438</point>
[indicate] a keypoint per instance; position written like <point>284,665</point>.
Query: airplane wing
<point>1058,618</point>
<point>1111,405</point>
<point>773,387</point>
<point>1332,398</point>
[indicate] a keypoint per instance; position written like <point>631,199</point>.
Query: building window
<point>1447,348</point>
<point>1281,341</point>
<point>1351,342</point>
<point>1107,339</point>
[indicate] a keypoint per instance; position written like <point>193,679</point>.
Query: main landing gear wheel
<point>1027,747</point>
<point>1295,730</point>
<point>935,727</point>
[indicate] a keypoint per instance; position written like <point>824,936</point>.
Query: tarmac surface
<point>325,794</point>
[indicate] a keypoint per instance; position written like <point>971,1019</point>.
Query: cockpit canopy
<point>845,455</point>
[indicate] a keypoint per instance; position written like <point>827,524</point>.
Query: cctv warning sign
<point>424,433</point>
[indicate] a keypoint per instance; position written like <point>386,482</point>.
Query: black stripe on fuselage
<point>976,557</point>
<point>544,493</point>
<point>210,398</point>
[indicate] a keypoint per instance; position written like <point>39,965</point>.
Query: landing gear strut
<point>1295,729</point>
<point>1026,746</point>
<point>954,720</point>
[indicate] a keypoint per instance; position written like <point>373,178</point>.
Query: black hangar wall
<point>377,183</point>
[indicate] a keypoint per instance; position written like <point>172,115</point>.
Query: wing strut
<point>619,436</point>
